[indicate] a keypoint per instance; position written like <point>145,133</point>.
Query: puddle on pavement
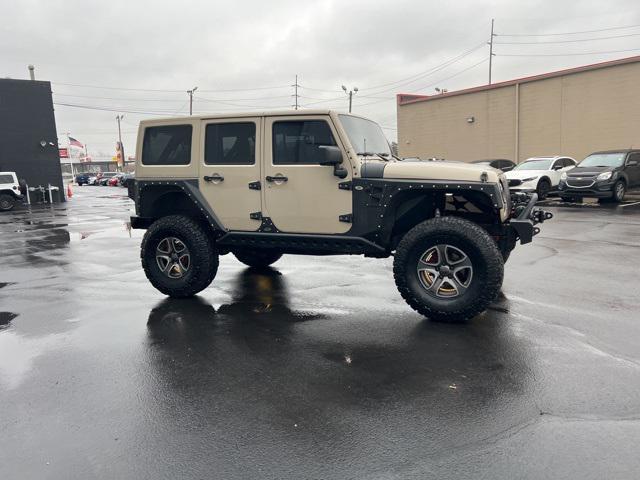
<point>5,319</point>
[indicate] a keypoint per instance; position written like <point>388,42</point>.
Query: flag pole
<point>70,158</point>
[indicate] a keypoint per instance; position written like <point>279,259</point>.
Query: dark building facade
<point>28,137</point>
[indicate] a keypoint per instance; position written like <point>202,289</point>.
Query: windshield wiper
<point>372,154</point>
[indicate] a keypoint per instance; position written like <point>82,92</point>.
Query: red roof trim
<point>406,98</point>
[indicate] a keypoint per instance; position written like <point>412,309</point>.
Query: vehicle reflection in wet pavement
<point>314,368</point>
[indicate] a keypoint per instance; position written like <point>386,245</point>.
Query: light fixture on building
<point>471,119</point>
<point>43,143</point>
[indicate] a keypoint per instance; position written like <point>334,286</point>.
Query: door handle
<point>213,178</point>
<point>277,178</point>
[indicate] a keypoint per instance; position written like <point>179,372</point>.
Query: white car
<point>540,174</point>
<point>9,190</point>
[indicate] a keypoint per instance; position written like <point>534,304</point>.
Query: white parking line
<point>630,204</point>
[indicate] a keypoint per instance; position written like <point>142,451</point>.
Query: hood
<point>522,174</point>
<point>588,171</point>
<point>440,170</point>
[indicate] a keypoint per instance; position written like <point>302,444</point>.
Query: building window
<point>298,142</point>
<point>167,145</point>
<point>230,144</point>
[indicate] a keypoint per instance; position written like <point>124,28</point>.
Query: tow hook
<point>539,216</point>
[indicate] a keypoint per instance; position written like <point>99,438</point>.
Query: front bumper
<point>526,216</point>
<point>597,190</point>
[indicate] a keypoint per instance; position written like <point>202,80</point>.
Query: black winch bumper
<point>525,216</point>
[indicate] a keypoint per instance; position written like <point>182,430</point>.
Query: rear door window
<point>6,179</point>
<point>230,144</point>
<point>167,145</point>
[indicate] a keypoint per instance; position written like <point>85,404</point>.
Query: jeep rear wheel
<point>448,269</point>
<point>178,257</point>
<point>257,258</point>
<point>7,202</point>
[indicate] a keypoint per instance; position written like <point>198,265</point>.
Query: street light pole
<point>190,92</point>
<point>350,93</point>
<point>121,146</point>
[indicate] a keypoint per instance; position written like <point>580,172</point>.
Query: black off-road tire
<point>481,250</point>
<point>257,257</point>
<point>543,189</point>
<point>203,264</point>
<point>7,202</point>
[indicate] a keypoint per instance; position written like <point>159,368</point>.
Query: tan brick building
<point>570,112</point>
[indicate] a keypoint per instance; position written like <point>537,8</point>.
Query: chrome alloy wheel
<point>172,257</point>
<point>445,271</point>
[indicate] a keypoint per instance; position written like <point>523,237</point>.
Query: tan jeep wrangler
<point>311,182</point>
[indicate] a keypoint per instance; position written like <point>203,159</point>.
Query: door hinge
<point>344,185</point>
<point>347,218</point>
<point>255,215</point>
<point>255,185</point>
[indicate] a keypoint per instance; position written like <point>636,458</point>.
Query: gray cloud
<point>216,45</point>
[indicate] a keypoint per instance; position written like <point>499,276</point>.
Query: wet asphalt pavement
<point>315,368</point>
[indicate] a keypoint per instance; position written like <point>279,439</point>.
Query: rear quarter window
<point>6,179</point>
<point>167,145</point>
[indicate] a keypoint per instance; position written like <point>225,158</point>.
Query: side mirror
<point>332,155</point>
<point>333,158</point>
<point>558,167</point>
<point>632,163</point>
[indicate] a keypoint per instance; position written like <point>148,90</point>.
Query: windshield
<point>603,160</point>
<point>365,136</point>
<point>534,165</point>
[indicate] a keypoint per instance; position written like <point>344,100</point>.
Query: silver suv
<point>321,183</point>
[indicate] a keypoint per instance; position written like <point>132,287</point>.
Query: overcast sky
<point>244,55</point>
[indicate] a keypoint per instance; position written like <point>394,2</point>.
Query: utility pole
<point>491,50</point>
<point>121,146</point>
<point>350,93</point>
<point>295,94</point>
<point>190,92</point>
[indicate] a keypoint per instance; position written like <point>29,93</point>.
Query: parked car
<point>115,180</point>
<point>499,163</point>
<point>83,178</point>
<point>104,178</point>
<point>9,191</point>
<point>127,180</point>
<point>92,179</point>
<point>540,174</point>
<point>606,175</point>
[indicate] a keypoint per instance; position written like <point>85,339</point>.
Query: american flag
<point>75,143</point>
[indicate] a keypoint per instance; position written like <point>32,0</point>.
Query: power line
<point>565,33</point>
<point>569,41</point>
<point>426,73</point>
<point>106,109</point>
<point>240,105</point>
<point>564,54</point>
<point>434,83</point>
<point>104,87</point>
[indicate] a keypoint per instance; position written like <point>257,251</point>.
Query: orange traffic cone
<point>69,192</point>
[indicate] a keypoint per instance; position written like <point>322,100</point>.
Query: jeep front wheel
<point>178,257</point>
<point>448,269</point>
<point>257,258</point>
